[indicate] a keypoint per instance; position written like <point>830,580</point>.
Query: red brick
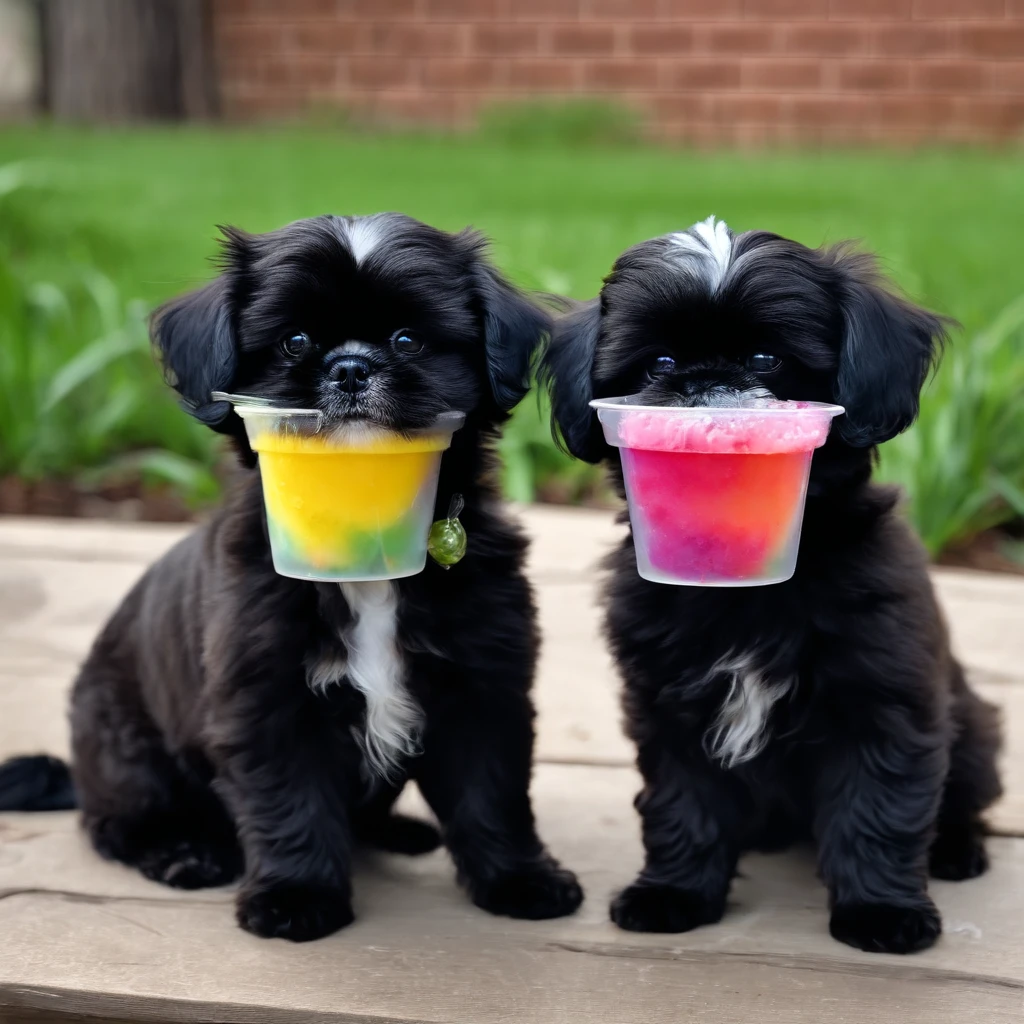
<point>739,38</point>
<point>304,8</point>
<point>703,74</point>
<point>300,75</point>
<point>913,110</point>
<point>505,39</point>
<point>959,8</point>
<point>1000,116</point>
<point>785,8</point>
<point>665,39</point>
<point>417,39</point>
<point>691,10</point>
<point>385,10</point>
<point>620,74</point>
<point>950,75</point>
<point>228,9</point>
<point>250,37</point>
<point>1000,40</point>
<point>679,106</point>
<point>542,10</point>
<point>819,40</point>
<point>460,73</point>
<point>870,10</point>
<point>459,9</point>
<point>620,10</point>
<point>1007,76</point>
<point>379,72</point>
<point>328,37</point>
<point>787,73</point>
<point>829,108</point>
<point>542,74</point>
<point>911,40</point>
<point>582,39</point>
<point>744,107</point>
<point>873,74</point>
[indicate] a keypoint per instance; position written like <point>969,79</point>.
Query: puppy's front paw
<point>663,908</point>
<point>883,928</point>
<point>192,863</point>
<point>296,912</point>
<point>957,854</point>
<point>534,893</point>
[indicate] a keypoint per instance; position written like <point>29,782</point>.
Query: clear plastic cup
<point>716,495</point>
<point>350,503</point>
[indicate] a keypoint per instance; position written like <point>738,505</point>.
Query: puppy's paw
<point>300,913</point>
<point>957,854</point>
<point>192,863</point>
<point>535,893</point>
<point>663,908</point>
<point>883,928</point>
<point>398,833</point>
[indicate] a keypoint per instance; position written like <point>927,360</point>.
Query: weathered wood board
<point>81,938</point>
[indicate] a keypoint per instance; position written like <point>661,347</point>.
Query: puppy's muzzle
<point>709,390</point>
<point>350,373</point>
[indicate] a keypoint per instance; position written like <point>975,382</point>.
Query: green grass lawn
<point>141,207</point>
<point>950,225</point>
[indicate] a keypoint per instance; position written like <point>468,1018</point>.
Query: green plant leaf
<point>90,362</point>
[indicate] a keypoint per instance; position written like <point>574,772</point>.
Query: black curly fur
<point>200,751</point>
<point>879,751</point>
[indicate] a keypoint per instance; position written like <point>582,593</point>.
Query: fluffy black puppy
<point>827,707</point>
<point>229,719</point>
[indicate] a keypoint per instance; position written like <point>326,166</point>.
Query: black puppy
<point>827,707</point>
<point>229,719</point>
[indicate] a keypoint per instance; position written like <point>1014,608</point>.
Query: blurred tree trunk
<point>128,60</point>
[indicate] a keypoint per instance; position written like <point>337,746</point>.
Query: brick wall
<point>704,71</point>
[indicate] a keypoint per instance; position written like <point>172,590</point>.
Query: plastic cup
<point>349,503</point>
<point>716,495</point>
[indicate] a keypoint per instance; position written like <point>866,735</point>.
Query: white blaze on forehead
<point>364,234</point>
<point>356,348</point>
<point>706,250</point>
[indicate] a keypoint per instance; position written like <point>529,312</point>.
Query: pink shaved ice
<point>781,428</point>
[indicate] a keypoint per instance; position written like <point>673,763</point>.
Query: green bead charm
<point>446,541</point>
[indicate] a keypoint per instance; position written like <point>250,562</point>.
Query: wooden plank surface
<point>57,587</point>
<point>89,937</point>
<point>82,937</point>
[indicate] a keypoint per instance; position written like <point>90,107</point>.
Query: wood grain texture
<point>89,937</point>
<point>82,939</point>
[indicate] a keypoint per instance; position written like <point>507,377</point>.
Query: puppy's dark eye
<point>661,365</point>
<point>763,362</point>
<point>295,346</point>
<point>406,342</point>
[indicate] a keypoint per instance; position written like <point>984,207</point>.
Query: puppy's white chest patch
<point>740,731</point>
<point>373,664</point>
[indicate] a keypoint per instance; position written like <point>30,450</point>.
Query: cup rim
<point>253,407</point>
<point>622,403</point>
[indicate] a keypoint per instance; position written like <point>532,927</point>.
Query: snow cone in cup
<point>352,503</point>
<point>716,494</point>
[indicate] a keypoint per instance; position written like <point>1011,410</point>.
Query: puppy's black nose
<point>352,373</point>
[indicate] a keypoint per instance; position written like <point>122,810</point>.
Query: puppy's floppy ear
<point>568,371</point>
<point>888,347</point>
<point>194,336</point>
<point>514,327</point>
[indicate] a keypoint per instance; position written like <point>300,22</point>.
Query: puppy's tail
<point>36,783</point>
